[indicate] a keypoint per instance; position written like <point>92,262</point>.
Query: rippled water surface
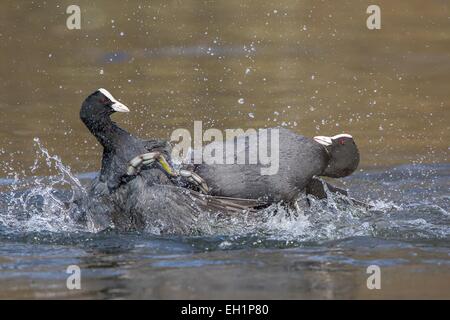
<point>322,252</point>
<point>310,66</point>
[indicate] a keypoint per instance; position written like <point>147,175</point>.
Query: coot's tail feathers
<point>228,205</point>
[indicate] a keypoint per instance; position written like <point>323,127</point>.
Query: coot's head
<point>100,104</point>
<point>343,153</point>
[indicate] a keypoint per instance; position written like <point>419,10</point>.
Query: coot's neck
<point>105,130</point>
<point>326,156</point>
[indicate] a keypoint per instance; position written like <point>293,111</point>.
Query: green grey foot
<point>147,159</point>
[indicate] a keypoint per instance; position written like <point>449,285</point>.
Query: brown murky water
<point>313,63</point>
<point>311,66</point>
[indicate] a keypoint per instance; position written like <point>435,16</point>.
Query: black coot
<point>119,146</point>
<point>145,198</point>
<point>300,159</point>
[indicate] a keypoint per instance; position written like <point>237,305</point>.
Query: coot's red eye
<point>342,141</point>
<point>104,100</point>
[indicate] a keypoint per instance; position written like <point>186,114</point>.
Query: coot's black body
<point>149,199</point>
<point>119,146</point>
<point>300,159</point>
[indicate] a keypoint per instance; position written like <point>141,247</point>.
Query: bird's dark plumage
<point>119,146</point>
<point>300,159</point>
<point>148,199</point>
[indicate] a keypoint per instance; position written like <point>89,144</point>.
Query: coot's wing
<point>159,145</point>
<point>186,177</point>
<point>94,207</point>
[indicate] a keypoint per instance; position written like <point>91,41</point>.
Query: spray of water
<point>39,204</point>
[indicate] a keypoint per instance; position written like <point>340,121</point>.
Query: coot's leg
<point>194,179</point>
<point>137,163</point>
<point>317,189</point>
<point>142,160</point>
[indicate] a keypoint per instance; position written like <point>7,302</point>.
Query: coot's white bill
<point>116,105</point>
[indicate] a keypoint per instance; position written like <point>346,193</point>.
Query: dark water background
<point>310,66</point>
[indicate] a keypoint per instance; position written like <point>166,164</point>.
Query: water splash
<point>45,204</point>
<point>337,217</point>
<point>41,203</point>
